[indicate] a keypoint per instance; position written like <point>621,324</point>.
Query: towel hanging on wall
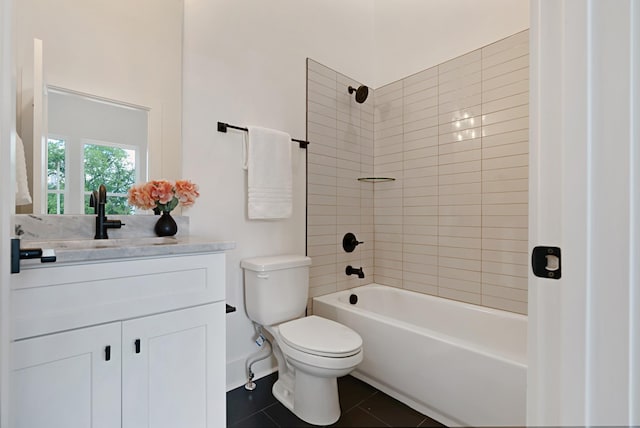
<point>269,174</point>
<point>22,185</point>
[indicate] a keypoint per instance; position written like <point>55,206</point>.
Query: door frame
<point>584,196</point>
<point>7,196</point>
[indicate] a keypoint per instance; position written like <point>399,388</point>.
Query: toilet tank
<point>276,288</point>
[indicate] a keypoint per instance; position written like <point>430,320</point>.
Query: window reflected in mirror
<point>90,142</point>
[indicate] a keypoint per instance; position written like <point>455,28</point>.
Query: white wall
<point>245,64</point>
<point>413,35</point>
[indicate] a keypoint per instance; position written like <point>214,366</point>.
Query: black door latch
<point>546,262</point>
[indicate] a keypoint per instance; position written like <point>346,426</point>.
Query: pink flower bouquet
<point>163,195</point>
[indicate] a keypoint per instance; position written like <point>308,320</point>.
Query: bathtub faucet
<point>350,270</point>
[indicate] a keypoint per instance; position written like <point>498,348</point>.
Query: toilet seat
<point>319,336</point>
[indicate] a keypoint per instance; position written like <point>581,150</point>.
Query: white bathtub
<point>461,364</point>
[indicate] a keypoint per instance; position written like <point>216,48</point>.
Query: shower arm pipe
<point>222,127</point>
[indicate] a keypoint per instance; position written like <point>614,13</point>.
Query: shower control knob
<point>350,242</point>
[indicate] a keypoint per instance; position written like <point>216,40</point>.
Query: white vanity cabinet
<point>132,343</point>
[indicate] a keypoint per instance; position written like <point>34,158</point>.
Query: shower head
<point>361,93</point>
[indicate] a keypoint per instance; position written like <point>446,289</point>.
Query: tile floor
<point>362,406</point>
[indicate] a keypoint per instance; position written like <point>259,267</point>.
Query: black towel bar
<point>222,127</point>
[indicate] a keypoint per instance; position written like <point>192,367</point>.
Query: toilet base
<point>313,399</point>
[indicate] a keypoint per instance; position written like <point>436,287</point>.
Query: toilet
<point>312,352</point>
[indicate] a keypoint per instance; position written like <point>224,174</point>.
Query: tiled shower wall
<point>341,151</point>
<point>455,138</point>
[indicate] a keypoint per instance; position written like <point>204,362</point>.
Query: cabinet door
<point>67,380</point>
<point>175,375</point>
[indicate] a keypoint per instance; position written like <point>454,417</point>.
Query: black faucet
<point>350,270</point>
<point>98,200</point>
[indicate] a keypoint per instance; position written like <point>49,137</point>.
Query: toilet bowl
<point>312,352</point>
<point>309,363</point>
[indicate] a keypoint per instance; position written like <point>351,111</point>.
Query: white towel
<point>22,184</point>
<point>270,175</point>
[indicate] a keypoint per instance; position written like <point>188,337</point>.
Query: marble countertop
<point>96,250</point>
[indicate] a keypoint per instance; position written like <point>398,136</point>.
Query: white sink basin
<point>93,244</point>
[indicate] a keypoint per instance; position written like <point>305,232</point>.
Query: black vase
<point>166,225</point>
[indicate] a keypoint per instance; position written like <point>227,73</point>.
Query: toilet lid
<point>320,336</point>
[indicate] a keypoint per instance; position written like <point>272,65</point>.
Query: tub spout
<point>350,270</point>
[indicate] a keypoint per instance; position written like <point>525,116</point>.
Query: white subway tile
<point>416,229</point>
<point>505,209</point>
<point>316,108</point>
<point>422,210</point>
<point>459,157</point>
<point>517,63</point>
<point>519,87</point>
<point>420,268</point>
<point>461,296</point>
<point>320,68</point>
<point>504,304</point>
<point>515,76</point>
<point>505,198</point>
<point>459,168</point>
<point>420,162</point>
<point>421,143</point>
<point>420,220</point>
<point>417,125</point>
<point>460,253</point>
<point>458,263</point>
<point>428,113</point>
<point>420,239</point>
<point>505,280</point>
<point>469,177</point>
<point>506,162</point>
<point>424,108</point>
<point>505,221</point>
<point>505,233</point>
<point>506,150</point>
<point>506,257</point>
<point>419,86</point>
<point>459,231</point>
<point>321,220</point>
<point>504,245</point>
<point>459,210</point>
<point>420,249</point>
<point>515,173</point>
<point>384,280</point>
<point>464,199</point>
<point>420,95</point>
<point>424,288</point>
<point>490,118</point>
<point>505,269</point>
<point>321,210</point>
<point>459,189</point>
<point>421,259</point>
<point>462,221</point>
<point>455,242</point>
<point>500,104</point>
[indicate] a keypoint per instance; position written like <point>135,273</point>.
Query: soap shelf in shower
<point>376,179</point>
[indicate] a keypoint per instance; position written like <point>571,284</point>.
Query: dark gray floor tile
<point>357,417</point>
<point>431,423</point>
<point>257,420</point>
<point>392,411</point>
<point>352,391</point>
<point>242,403</point>
<point>284,417</point>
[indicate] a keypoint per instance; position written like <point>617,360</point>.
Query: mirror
<point>116,51</point>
